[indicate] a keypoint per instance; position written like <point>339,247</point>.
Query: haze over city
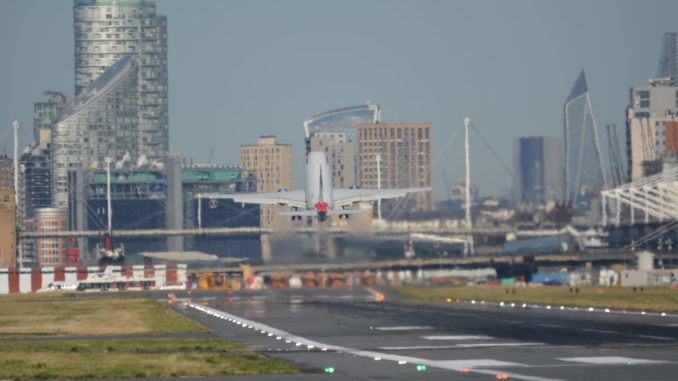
<point>240,69</point>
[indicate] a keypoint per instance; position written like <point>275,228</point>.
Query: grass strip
<point>61,365</point>
<point>61,315</point>
<point>121,345</point>
<point>621,298</point>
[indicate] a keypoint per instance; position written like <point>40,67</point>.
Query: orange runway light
<point>502,376</point>
<point>449,300</point>
<point>465,370</point>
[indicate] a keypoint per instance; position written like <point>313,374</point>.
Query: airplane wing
<point>343,197</point>
<point>294,198</point>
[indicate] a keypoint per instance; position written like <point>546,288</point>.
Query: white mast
<point>468,245</point>
<point>15,124</point>
<point>108,195</point>
<point>379,184</point>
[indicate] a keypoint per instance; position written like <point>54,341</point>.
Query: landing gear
<point>345,216</point>
<point>296,218</point>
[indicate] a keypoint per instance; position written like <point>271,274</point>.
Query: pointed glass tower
<point>668,64</point>
<point>584,174</point>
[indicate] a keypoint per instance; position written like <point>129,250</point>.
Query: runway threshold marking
<point>474,365</point>
<point>609,360</point>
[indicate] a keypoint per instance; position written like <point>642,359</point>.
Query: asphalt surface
<point>364,339</point>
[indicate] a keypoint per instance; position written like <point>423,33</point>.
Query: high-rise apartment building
<point>51,251</point>
<point>107,31</point>
<point>651,127</point>
<point>405,152</point>
<point>584,173</point>
<point>6,172</point>
<point>341,153</point>
<point>102,122</point>
<point>46,114</point>
<point>272,165</point>
<point>537,170</point>
<point>334,132</point>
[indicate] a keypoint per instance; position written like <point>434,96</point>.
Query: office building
<point>584,173</point>
<point>537,170</point>
<point>271,163</point>
<point>106,31</point>
<point>164,197</point>
<point>102,122</point>
<point>7,228</point>
<point>341,153</point>
<point>651,128</point>
<point>220,213</point>
<point>405,151</point>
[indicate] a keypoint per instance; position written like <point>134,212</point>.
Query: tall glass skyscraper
<point>107,31</point>
<point>102,122</point>
<point>584,174</point>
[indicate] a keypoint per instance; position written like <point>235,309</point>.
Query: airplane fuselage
<point>319,186</point>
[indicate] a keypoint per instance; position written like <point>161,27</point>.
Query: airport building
<point>405,152</point>
<point>272,165</point>
<point>108,31</point>
<point>537,170</point>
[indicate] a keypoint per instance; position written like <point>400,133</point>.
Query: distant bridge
<point>283,231</point>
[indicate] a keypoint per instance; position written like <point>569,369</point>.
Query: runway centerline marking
<point>476,365</point>
<point>457,337</point>
<point>404,328</point>
<point>461,346</point>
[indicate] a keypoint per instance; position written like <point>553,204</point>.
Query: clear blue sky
<point>239,69</point>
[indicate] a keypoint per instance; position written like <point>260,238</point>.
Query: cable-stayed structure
<point>584,174</point>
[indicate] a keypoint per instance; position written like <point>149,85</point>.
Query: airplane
<point>320,199</point>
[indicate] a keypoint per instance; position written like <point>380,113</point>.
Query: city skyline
<point>420,63</point>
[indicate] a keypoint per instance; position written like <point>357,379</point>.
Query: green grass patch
<point>122,345</point>
<point>622,298</point>
<point>60,315</point>
<point>69,365</point>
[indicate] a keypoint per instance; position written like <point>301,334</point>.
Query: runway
<point>355,336</point>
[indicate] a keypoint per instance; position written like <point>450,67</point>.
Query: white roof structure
<point>656,197</point>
